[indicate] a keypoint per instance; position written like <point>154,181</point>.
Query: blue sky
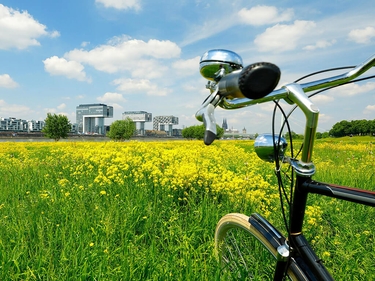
<point>144,55</point>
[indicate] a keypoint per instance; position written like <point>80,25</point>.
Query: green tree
<point>121,129</point>
<point>294,135</point>
<point>56,126</point>
<point>341,129</point>
<point>197,132</point>
<point>325,135</point>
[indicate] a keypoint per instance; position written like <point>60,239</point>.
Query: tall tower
<point>225,124</point>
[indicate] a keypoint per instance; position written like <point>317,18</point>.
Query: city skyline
<point>57,54</point>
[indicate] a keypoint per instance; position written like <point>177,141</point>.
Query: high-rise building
<point>139,117</point>
<point>90,118</point>
<point>165,123</point>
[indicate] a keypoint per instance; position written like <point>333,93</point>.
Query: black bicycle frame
<point>301,250</point>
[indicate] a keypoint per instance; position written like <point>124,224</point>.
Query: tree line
<point>197,132</point>
<point>58,126</point>
<point>354,127</point>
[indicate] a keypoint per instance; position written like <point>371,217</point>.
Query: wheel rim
<point>244,257</point>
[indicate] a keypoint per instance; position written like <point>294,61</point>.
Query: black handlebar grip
<point>258,80</point>
<point>209,137</point>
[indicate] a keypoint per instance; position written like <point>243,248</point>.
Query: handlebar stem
<point>297,95</point>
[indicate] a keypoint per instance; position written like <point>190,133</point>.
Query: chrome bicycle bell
<point>264,147</point>
<point>214,62</point>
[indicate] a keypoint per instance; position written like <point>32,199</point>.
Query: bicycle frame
<point>305,186</point>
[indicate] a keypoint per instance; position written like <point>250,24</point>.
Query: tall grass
<point>148,211</point>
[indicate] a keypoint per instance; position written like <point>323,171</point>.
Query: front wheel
<point>246,248</point>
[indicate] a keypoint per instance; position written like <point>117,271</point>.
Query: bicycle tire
<point>246,249</point>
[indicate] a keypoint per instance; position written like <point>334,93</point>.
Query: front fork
<point>296,244</point>
<point>297,216</point>
<point>282,261</point>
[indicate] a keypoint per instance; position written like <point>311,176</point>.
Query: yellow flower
<point>103,192</point>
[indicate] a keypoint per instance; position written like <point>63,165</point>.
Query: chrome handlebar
<point>306,87</point>
<point>224,71</point>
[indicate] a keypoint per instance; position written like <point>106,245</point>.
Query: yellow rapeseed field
<point>135,210</point>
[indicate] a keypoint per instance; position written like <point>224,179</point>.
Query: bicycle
<point>249,247</point>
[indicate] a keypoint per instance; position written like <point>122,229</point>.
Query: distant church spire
<point>225,124</point>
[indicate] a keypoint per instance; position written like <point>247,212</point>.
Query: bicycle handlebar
<point>307,87</point>
<point>255,84</point>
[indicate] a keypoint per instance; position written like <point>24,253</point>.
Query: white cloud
<point>124,54</point>
<point>7,82</point>
<point>84,44</point>
<point>121,4</point>
<point>261,15</point>
<point>61,106</point>
<point>362,36</point>
<point>281,37</point>
<point>70,69</point>
<point>131,85</point>
<point>322,99</point>
<point>54,34</point>
<point>20,30</point>
<point>111,98</point>
<point>139,86</point>
<point>117,107</point>
<point>214,25</point>
<point>14,110</point>
<point>187,67</point>
<point>370,109</point>
<point>50,110</point>
<point>321,44</point>
<point>324,118</point>
<point>353,89</point>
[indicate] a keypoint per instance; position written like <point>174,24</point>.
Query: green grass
<point>51,230</point>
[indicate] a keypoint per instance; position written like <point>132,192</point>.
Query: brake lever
<point>206,115</point>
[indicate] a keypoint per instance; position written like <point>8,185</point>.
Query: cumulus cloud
<point>49,110</point>
<point>20,30</point>
<point>139,86</point>
<point>322,99</point>
<point>70,69</point>
<point>121,4</point>
<point>84,44</point>
<point>362,36</point>
<point>261,15</point>
<point>354,89</point>
<point>111,98</point>
<point>61,106</point>
<point>187,67</point>
<point>7,82</point>
<point>321,44</point>
<point>282,37</point>
<point>14,110</point>
<point>124,54</point>
<point>370,109</point>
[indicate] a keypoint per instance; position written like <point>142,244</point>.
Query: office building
<point>90,118</point>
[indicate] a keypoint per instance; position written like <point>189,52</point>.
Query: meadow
<point>148,210</point>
